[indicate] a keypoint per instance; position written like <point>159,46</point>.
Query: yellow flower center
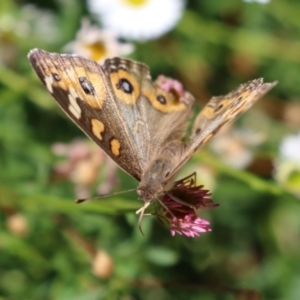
<point>97,51</point>
<point>136,2</point>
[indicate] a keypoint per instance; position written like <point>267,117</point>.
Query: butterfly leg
<point>182,202</point>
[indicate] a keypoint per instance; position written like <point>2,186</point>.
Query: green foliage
<point>254,248</point>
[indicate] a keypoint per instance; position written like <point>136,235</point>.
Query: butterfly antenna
<point>103,196</point>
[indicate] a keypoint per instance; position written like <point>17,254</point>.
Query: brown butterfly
<point>139,123</point>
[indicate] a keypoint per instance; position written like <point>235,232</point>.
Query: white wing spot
<point>123,66</point>
<point>49,81</point>
<point>74,108</point>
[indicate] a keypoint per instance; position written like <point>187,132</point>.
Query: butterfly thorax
<point>154,182</point>
<point>158,177</point>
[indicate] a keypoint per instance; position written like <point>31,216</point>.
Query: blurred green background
<point>52,248</point>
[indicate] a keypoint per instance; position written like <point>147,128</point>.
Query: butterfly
<point>139,123</point>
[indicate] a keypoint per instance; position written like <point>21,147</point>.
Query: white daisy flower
<point>97,44</point>
<point>138,19</point>
<point>290,147</point>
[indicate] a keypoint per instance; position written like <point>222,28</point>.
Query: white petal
<point>140,22</point>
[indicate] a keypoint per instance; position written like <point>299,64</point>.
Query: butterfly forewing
<point>80,88</point>
<point>223,110</point>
